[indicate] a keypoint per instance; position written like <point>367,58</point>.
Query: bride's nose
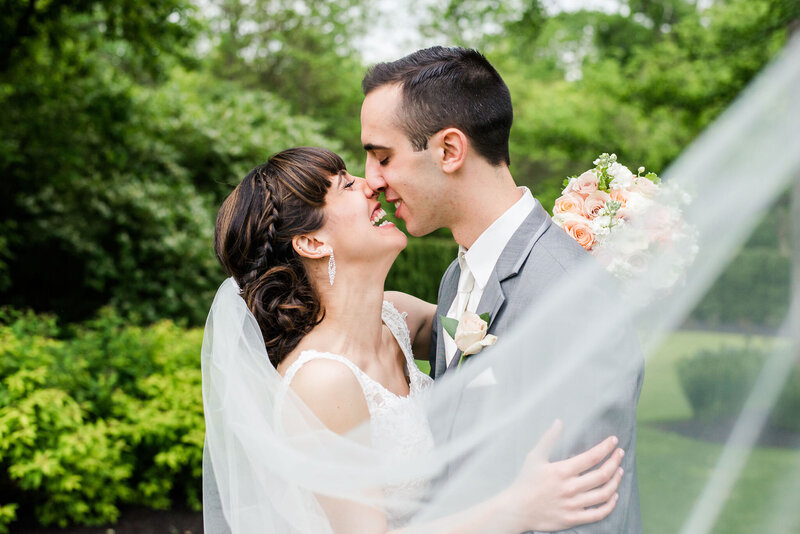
<point>368,192</point>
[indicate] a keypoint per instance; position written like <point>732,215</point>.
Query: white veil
<point>269,471</point>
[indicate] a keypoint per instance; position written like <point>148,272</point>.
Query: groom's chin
<point>414,230</point>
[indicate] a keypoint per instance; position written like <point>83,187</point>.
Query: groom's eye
<point>384,161</point>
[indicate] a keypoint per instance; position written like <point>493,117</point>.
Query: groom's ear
<point>450,145</point>
<point>308,246</point>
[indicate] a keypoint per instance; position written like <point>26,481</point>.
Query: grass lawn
<point>674,469</point>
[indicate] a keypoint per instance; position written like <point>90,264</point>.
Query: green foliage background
<point>125,123</point>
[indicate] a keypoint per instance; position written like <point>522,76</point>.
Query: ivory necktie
<point>465,284</point>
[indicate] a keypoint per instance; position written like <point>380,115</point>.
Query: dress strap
<point>308,355</point>
<point>396,322</point>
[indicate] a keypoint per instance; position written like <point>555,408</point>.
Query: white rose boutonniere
<point>469,333</point>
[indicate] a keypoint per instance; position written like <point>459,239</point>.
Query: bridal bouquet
<point>626,219</point>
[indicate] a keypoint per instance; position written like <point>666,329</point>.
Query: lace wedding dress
<point>398,424</point>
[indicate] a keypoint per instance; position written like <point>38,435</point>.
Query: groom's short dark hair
<point>449,87</point>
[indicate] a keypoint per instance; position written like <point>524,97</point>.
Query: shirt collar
<point>482,256</point>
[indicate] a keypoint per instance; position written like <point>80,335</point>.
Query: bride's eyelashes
<point>349,184</point>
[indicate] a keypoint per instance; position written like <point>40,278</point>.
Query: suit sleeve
<point>616,378</point>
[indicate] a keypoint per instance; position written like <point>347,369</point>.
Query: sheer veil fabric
<point>272,457</point>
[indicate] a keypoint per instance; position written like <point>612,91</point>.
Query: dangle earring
<point>331,268</point>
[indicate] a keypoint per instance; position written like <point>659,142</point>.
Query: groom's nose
<point>376,183</point>
<point>372,172</point>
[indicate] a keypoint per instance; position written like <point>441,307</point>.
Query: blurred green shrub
<point>718,382</point>
<point>419,268</point>
<point>95,416</point>
<point>763,275</point>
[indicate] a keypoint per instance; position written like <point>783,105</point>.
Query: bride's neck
<point>352,322</point>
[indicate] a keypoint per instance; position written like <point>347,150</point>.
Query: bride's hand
<point>550,496</point>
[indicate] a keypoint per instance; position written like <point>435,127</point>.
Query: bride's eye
<point>348,185</point>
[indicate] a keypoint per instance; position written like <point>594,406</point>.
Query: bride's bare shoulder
<point>331,390</point>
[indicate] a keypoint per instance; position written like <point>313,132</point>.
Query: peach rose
<point>619,195</point>
<point>585,183</point>
<point>595,203</point>
<point>569,203</point>
<point>578,228</point>
<point>623,213</point>
<point>660,224</point>
<point>645,187</point>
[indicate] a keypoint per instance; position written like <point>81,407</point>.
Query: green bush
<point>96,416</point>
<point>717,383</point>
<point>419,268</point>
<point>763,274</point>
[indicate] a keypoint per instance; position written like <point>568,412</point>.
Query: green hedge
<point>753,291</point>
<point>419,268</point>
<point>717,384</point>
<point>95,416</point>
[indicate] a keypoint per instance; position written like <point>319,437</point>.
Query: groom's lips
<point>397,203</point>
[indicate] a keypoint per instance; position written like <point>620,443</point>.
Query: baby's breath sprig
<point>653,177</point>
<point>601,166</point>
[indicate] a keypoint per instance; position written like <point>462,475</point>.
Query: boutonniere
<point>469,333</point>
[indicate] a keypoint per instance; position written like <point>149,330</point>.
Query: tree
<point>642,82</point>
<point>303,52</point>
<point>114,161</point>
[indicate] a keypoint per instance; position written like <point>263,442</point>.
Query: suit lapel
<point>508,265</point>
<point>449,290</point>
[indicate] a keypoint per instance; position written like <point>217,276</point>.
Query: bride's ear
<point>308,246</point>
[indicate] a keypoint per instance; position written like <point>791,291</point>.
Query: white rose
<point>471,334</point>
<point>637,203</point>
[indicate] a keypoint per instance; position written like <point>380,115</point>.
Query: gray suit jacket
<point>539,255</point>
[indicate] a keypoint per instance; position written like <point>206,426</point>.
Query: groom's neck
<point>484,196</point>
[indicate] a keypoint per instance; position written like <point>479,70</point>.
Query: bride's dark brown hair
<point>276,201</point>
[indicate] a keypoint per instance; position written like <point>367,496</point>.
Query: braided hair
<point>275,202</point>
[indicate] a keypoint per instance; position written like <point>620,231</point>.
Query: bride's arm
<point>333,393</point>
<point>419,319</point>
<point>546,496</point>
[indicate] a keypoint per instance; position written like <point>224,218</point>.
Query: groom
<point>435,125</point>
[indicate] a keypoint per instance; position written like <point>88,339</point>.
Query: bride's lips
<point>378,217</point>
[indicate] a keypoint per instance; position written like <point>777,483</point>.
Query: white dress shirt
<point>477,262</point>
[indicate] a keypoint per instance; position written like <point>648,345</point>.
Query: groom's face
<point>410,179</point>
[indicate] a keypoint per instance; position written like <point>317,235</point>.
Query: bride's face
<point>354,224</point>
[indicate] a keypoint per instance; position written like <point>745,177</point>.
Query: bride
<point>308,251</point>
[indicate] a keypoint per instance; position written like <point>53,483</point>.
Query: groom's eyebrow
<point>369,147</point>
